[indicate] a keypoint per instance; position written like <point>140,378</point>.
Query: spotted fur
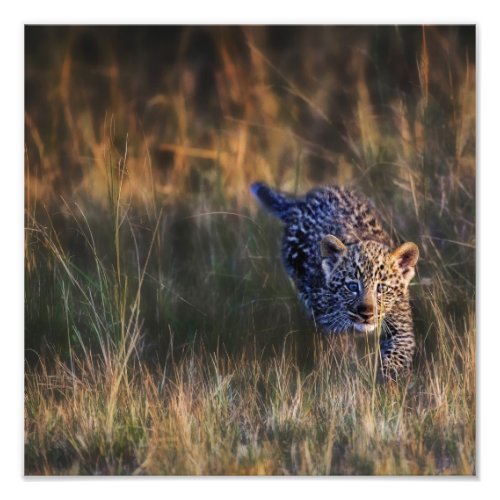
<point>347,271</point>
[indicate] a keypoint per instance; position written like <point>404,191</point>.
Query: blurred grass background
<point>151,274</point>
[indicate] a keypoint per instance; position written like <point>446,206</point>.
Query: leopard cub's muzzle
<point>364,315</point>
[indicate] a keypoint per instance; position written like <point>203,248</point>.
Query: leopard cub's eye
<point>381,288</point>
<point>352,286</point>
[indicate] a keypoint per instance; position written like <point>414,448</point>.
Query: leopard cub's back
<point>327,210</point>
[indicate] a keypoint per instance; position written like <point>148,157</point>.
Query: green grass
<point>162,334</point>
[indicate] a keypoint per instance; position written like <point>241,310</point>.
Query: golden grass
<point>210,414</point>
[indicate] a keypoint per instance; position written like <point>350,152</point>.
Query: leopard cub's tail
<point>276,202</point>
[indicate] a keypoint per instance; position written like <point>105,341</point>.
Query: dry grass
<point>211,414</point>
<point>162,336</point>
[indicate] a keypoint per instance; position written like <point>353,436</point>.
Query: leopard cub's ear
<point>331,250</point>
<point>406,257</point>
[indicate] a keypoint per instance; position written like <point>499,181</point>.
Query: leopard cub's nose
<point>365,311</point>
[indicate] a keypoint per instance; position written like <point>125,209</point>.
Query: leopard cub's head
<point>363,282</point>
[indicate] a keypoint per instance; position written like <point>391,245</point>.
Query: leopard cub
<point>347,271</point>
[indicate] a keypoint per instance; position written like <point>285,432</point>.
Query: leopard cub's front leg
<point>397,344</point>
